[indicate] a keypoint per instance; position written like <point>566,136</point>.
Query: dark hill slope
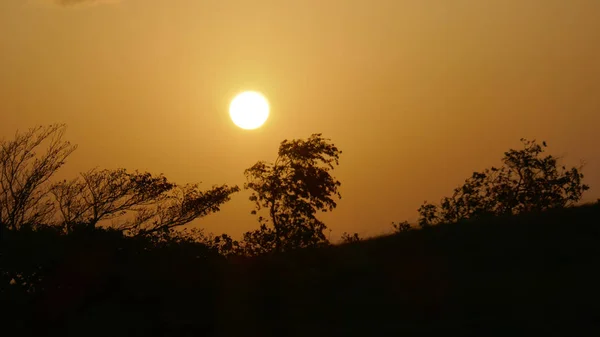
<point>531,274</point>
<point>535,274</point>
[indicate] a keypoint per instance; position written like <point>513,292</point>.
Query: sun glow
<point>249,110</point>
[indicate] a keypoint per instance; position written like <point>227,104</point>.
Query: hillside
<point>530,274</point>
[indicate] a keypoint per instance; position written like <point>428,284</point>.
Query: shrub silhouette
<point>401,227</point>
<point>347,238</point>
<point>103,280</point>
<point>527,181</point>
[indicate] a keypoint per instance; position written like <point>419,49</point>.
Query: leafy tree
<point>527,181</point>
<point>347,238</point>
<point>292,190</point>
<point>24,176</point>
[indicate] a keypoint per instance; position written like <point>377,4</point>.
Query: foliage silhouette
<point>292,190</point>
<point>527,182</point>
<point>401,227</point>
<point>347,238</point>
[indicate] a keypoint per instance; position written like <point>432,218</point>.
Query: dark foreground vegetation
<point>518,275</point>
<point>104,254</point>
<point>534,274</point>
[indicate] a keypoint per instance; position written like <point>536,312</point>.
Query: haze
<point>417,94</point>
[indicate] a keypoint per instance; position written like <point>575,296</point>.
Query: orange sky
<point>417,94</point>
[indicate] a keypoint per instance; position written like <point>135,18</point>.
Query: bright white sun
<point>249,110</point>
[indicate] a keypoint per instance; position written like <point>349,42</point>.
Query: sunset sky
<point>417,94</point>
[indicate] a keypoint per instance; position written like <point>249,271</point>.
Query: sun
<point>249,110</point>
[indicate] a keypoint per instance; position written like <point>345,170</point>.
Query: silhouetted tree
<point>347,238</point>
<point>527,181</point>
<point>24,175</point>
<point>151,202</point>
<point>292,190</point>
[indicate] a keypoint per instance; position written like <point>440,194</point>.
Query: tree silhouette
<point>292,190</point>
<point>142,202</point>
<point>24,191</point>
<point>527,181</point>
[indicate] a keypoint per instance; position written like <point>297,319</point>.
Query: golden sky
<point>417,94</point>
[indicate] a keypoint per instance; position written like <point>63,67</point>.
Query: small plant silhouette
<point>401,227</point>
<point>348,238</point>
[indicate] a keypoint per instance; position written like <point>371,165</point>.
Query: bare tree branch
<point>107,194</point>
<point>24,194</point>
<point>182,206</point>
